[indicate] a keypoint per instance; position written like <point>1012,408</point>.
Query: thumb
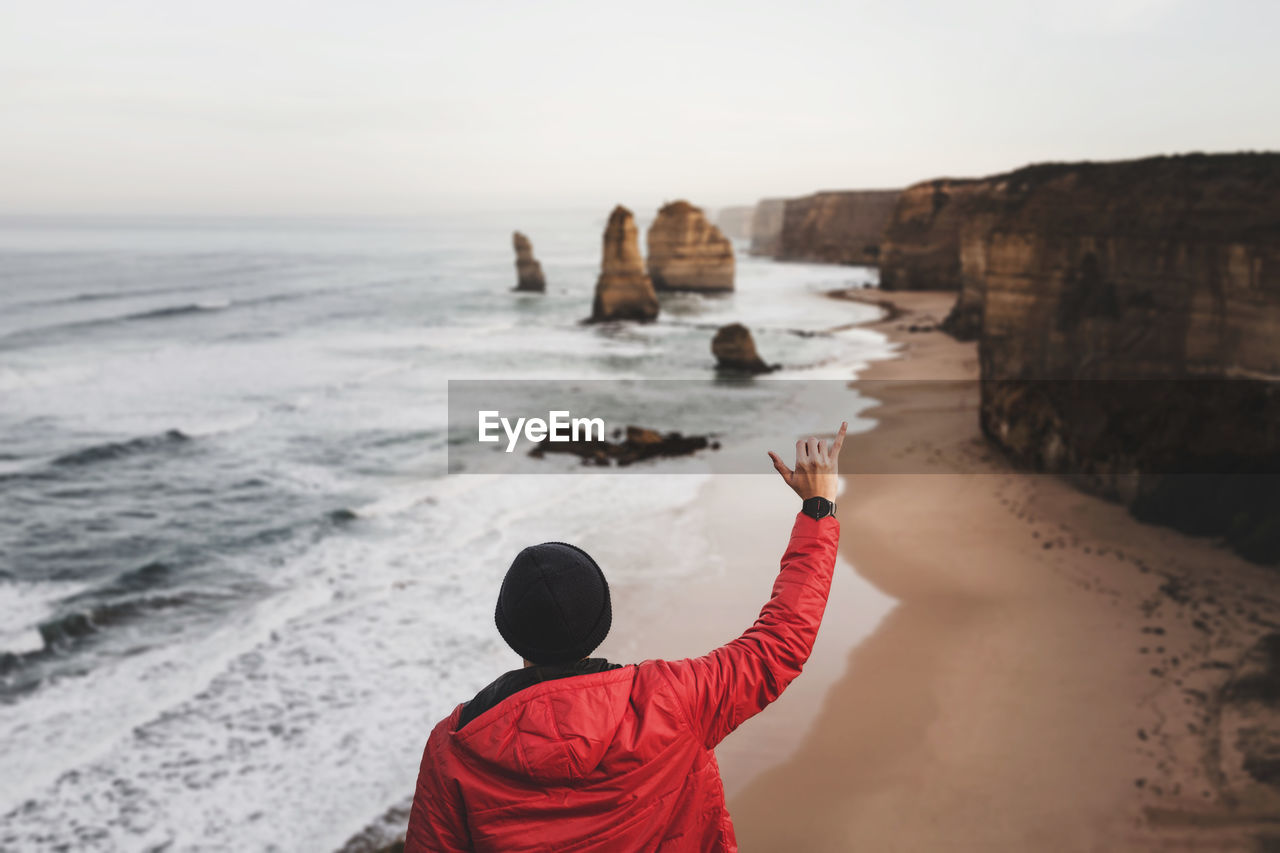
<point>780,467</point>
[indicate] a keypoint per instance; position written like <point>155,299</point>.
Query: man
<point>573,753</point>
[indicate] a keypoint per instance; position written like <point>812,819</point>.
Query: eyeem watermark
<point>560,426</point>
<point>567,426</point>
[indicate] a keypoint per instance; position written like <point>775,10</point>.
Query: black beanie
<point>554,604</point>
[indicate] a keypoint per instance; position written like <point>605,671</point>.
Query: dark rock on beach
<point>384,835</point>
<point>362,845</point>
<point>1247,749</point>
<point>638,445</point>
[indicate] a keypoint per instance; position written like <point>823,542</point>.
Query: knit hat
<point>554,604</point>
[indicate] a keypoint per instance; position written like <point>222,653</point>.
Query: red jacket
<point>620,760</point>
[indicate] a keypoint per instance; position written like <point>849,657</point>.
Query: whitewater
<point>237,584</point>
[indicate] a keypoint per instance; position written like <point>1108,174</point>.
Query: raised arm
<point>736,681</point>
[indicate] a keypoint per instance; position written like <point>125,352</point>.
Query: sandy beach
<point>1049,678</point>
<point>1006,663</point>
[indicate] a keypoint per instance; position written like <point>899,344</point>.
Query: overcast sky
<point>263,106</point>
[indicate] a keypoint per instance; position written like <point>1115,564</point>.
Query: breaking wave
<point>179,310</point>
<point>118,449</point>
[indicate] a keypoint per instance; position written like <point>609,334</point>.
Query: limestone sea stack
<point>686,252</point>
<point>735,350</point>
<point>623,291</point>
<point>528,271</point>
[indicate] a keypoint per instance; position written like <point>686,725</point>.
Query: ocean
<point>237,585</point>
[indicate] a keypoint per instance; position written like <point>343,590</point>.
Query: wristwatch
<point>818,508</point>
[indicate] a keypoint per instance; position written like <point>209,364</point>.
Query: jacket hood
<point>554,732</point>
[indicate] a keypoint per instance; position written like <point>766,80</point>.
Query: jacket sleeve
<point>721,690</point>
<point>437,819</point>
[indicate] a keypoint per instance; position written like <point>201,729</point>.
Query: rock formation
<point>623,291</point>
<point>686,252</point>
<point>921,245</point>
<point>1244,757</point>
<point>638,445</point>
<point>735,222</point>
<point>528,270</point>
<point>1129,319</point>
<point>735,350</point>
<point>836,227</point>
<point>965,320</point>
<point>766,226</point>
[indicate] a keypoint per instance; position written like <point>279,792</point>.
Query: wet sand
<point>1049,679</point>
<point>1006,663</point>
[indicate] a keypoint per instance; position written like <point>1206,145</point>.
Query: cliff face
<point>686,252</point>
<point>623,291</point>
<point>735,222</point>
<point>766,226</point>
<point>921,246</point>
<point>528,270</point>
<point>1129,320</point>
<point>965,320</point>
<point>836,227</point>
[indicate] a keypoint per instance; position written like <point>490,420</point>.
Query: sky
<point>388,107</point>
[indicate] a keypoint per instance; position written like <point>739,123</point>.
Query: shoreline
<point>1006,663</point>
<point>1052,677</point>
<point>745,521</point>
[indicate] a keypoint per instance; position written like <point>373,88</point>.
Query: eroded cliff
<point>686,252</point>
<point>766,226</point>
<point>836,227</point>
<point>920,249</point>
<point>1129,320</point>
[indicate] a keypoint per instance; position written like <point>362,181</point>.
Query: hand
<point>817,467</point>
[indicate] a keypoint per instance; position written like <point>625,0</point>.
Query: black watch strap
<point>818,508</point>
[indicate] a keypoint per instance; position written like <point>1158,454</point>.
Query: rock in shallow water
<point>686,252</point>
<point>735,349</point>
<point>623,291</point>
<point>528,271</point>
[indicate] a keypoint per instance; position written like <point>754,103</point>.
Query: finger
<point>821,455</point>
<point>814,446</point>
<point>802,453</point>
<point>838,442</point>
<point>780,467</point>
